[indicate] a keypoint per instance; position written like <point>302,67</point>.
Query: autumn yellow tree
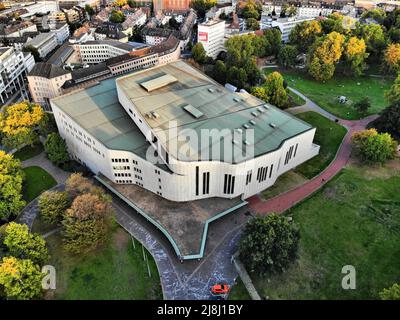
<point>304,34</point>
<point>392,57</point>
<point>17,124</point>
<point>120,3</point>
<point>324,54</point>
<point>355,55</point>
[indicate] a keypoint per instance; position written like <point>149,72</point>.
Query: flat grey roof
<point>211,106</point>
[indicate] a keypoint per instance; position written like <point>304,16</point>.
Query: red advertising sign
<point>203,36</point>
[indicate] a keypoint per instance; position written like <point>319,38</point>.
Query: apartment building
<point>211,35</point>
<point>286,25</point>
<point>44,43</point>
<point>131,143</point>
<point>14,67</point>
<point>61,31</point>
<point>97,51</point>
<point>45,81</point>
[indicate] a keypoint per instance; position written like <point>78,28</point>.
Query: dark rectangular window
<point>266,172</point>
<point>258,174</point>
<point>233,185</point>
<point>204,182</point>
<point>228,188</point>
<point>270,170</point>
<point>208,183</point>
<point>167,158</point>
<point>295,150</point>
<point>225,182</point>
<point>197,181</point>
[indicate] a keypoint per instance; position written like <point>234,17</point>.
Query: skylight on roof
<point>194,112</point>
<point>158,82</point>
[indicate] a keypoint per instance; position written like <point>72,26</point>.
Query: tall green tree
<point>287,56</point>
<point>304,34</point>
<point>276,91</point>
<point>274,41</point>
<point>355,55</point>
<point>237,77</point>
<point>23,244</point>
<point>388,121</point>
<point>117,16</point>
<point>202,6</point>
<point>56,149</point>
<point>269,244</point>
<point>21,279</point>
<point>393,94</point>
<point>374,37</point>
<point>198,53</point>
<point>11,178</point>
<point>362,105</point>
<point>219,72</point>
<point>252,24</point>
<point>371,146</point>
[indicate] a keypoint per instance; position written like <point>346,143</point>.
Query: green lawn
<point>326,94</point>
<point>329,136</point>
<point>285,182</point>
<point>239,291</point>
<point>28,152</point>
<point>353,220</point>
<point>115,271</point>
<point>36,181</point>
<point>296,100</point>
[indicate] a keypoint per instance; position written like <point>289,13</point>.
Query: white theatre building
<point>141,129</point>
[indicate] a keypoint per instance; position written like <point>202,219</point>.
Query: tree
<point>391,57</point>
<point>89,9</point>
<point>269,244</point>
<point>117,16</point>
<point>120,3</point>
<point>77,185</point>
<point>25,245</point>
<point>173,23</point>
<point>33,51</point>
<point>252,10</point>
<point>21,279</point>
<point>323,56</point>
<point>17,124</point>
<point>371,146</point>
<point>252,24</point>
<point>56,149</point>
<point>86,223</point>
<point>388,121</point>
<point>304,34</point>
<point>237,77</point>
<point>202,6</point>
<point>11,177</point>
<point>355,55</point>
<point>198,53</point>
<point>219,72</point>
<point>52,205</point>
<point>392,293</point>
<point>274,41</point>
<point>253,73</point>
<point>362,105</point>
<point>374,38</point>
<point>275,90</point>
<point>287,56</point>
<point>377,14</point>
<point>333,23</point>
<point>291,11</point>
<point>260,93</point>
<point>393,94</point>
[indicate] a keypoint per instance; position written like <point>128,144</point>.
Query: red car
<point>220,289</point>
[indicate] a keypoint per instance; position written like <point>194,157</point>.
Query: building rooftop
<point>189,98</point>
<point>40,39</point>
<point>177,92</point>
<point>113,43</point>
<point>47,70</point>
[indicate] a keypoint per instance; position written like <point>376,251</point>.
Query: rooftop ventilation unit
<point>266,106</point>
<point>234,142</point>
<point>252,122</point>
<point>236,99</point>
<point>246,126</point>
<point>155,114</point>
<point>239,130</point>
<point>254,114</point>
<point>272,125</point>
<point>210,90</point>
<point>260,110</point>
<point>194,112</point>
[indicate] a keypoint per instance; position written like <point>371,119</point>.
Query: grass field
<point>354,220</point>
<point>36,181</point>
<point>329,136</point>
<point>28,152</point>
<point>114,272</point>
<point>296,100</point>
<point>326,94</point>
<point>239,291</point>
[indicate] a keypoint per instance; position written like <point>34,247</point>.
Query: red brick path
<point>288,199</point>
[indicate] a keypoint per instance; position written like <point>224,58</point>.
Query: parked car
<point>220,289</point>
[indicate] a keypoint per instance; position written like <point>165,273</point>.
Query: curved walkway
<point>288,199</point>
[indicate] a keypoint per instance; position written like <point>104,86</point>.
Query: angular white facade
<point>211,35</point>
<point>105,128</point>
